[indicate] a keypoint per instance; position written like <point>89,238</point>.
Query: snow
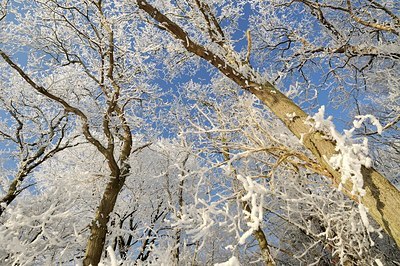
<point>373,119</point>
<point>291,116</point>
<point>378,262</point>
<point>255,196</point>
<point>113,258</point>
<point>363,213</point>
<point>233,261</point>
<point>112,261</point>
<point>351,154</point>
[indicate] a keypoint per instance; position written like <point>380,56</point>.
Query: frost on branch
<point>351,155</point>
<point>255,197</point>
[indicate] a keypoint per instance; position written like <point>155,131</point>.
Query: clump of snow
<point>112,260</point>
<point>378,262</point>
<point>373,119</point>
<point>291,116</point>
<point>233,261</point>
<point>255,197</point>
<point>349,160</point>
<point>351,155</point>
<point>364,218</point>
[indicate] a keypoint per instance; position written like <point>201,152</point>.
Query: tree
<point>184,167</point>
<point>298,206</point>
<point>381,198</point>
<point>51,225</point>
<point>98,70</point>
<point>33,134</point>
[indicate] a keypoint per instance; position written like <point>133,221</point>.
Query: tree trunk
<point>176,252</point>
<point>12,192</point>
<point>258,233</point>
<point>382,198</point>
<point>262,241</point>
<point>98,228</point>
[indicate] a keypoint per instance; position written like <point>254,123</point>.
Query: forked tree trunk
<point>382,198</point>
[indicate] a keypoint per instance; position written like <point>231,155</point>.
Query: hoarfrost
<point>233,261</point>
<point>255,195</point>
<point>113,258</point>
<point>351,156</point>
<point>291,116</point>
<point>373,119</point>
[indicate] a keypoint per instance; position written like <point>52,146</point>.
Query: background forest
<point>199,132</point>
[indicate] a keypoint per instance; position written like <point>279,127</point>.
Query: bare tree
<point>36,135</point>
<point>242,170</point>
<point>382,198</point>
<point>97,35</point>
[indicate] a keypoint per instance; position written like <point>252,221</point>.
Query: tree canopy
<point>196,132</point>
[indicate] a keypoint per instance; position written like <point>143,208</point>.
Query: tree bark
<point>98,228</point>
<point>12,192</point>
<point>382,198</point>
